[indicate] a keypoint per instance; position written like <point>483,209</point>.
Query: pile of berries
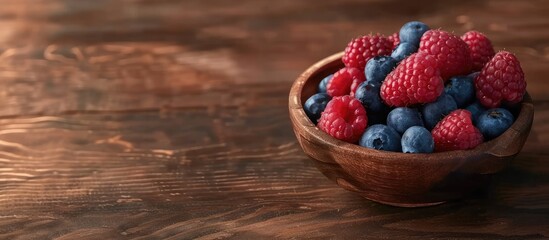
<point>420,90</point>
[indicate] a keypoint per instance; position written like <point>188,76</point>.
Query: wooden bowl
<point>401,179</point>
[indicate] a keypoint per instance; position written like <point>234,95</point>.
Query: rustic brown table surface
<point>167,119</point>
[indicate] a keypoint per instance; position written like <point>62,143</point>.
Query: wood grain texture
<point>137,119</point>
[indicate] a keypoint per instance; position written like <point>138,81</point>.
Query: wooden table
<point>168,119</point>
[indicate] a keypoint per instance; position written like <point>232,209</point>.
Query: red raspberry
<point>344,118</point>
<point>451,52</point>
<point>345,82</point>
<point>355,84</point>
<point>415,80</point>
<point>395,39</point>
<point>456,132</point>
<point>501,79</point>
<point>480,47</point>
<point>360,50</point>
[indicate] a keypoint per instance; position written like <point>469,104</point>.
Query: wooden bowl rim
<point>308,130</point>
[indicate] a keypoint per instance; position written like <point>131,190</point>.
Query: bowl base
<point>407,205</point>
<point>350,187</point>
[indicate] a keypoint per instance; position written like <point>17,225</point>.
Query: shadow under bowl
<point>401,179</point>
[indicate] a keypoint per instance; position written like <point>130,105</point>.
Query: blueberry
<point>403,50</point>
<point>368,95</point>
<point>462,89</point>
<point>381,137</point>
<point>435,111</point>
<point>411,32</point>
<point>378,67</point>
<point>493,122</point>
<point>315,105</point>
<point>417,140</point>
<point>322,85</point>
<point>476,109</point>
<point>403,118</point>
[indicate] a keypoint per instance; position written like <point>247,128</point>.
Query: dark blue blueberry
<point>411,32</point>
<point>322,85</point>
<point>368,95</point>
<point>435,111</point>
<point>493,122</point>
<point>403,50</point>
<point>403,118</point>
<point>315,105</point>
<point>381,137</point>
<point>462,89</point>
<point>378,67</point>
<point>476,109</point>
<point>417,140</point>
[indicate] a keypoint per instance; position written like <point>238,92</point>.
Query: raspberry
<point>345,82</point>
<point>360,50</point>
<point>344,118</point>
<point>355,84</point>
<point>456,132</point>
<point>394,38</point>
<point>480,47</point>
<point>451,52</point>
<point>501,79</point>
<point>415,80</point>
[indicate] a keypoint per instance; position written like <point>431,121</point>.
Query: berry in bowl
<point>414,119</point>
